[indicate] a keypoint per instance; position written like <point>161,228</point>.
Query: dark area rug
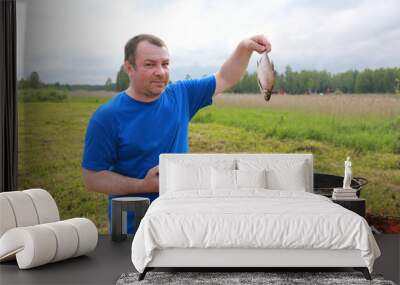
<point>228,278</point>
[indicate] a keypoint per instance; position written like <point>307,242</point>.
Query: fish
<point>265,76</point>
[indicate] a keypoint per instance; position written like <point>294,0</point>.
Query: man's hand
<point>233,69</point>
<point>150,181</point>
<point>258,43</point>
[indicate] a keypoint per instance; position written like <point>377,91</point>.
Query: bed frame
<point>250,257</point>
<point>260,258</point>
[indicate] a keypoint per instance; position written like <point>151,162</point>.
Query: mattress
<point>251,219</point>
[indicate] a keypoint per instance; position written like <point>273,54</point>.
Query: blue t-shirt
<point>127,136</point>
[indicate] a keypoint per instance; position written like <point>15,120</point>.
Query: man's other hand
<point>258,43</point>
<point>150,181</point>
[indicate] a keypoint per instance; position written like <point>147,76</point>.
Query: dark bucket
<point>324,183</point>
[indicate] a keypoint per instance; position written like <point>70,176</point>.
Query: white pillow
<point>251,178</point>
<point>227,179</point>
<point>223,179</point>
<point>182,177</point>
<point>282,174</point>
<point>291,179</point>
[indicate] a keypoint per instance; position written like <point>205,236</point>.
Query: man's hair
<point>131,46</point>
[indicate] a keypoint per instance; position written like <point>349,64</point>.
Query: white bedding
<point>251,218</point>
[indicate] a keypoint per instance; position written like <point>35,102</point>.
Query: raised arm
<point>233,69</point>
<point>109,182</point>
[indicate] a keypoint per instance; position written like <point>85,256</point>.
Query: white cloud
<point>82,41</point>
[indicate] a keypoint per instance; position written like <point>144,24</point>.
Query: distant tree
<point>122,81</point>
<point>364,82</point>
<point>397,86</point>
<point>187,77</point>
<point>289,80</point>
<point>378,80</point>
<point>22,84</point>
<point>325,81</point>
<point>279,84</point>
<point>345,81</point>
<point>108,85</point>
<point>34,80</point>
<point>389,79</point>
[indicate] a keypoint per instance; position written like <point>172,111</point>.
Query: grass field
<point>367,128</point>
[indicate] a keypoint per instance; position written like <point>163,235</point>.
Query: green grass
<point>51,137</point>
<point>42,95</point>
<point>359,133</point>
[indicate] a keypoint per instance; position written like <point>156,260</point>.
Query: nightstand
<point>138,205</point>
<point>355,205</point>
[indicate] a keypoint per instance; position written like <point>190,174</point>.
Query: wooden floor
<point>106,264</point>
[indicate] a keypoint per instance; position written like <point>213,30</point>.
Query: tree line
<point>382,80</point>
<point>34,82</point>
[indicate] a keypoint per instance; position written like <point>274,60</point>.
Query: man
<point>125,136</point>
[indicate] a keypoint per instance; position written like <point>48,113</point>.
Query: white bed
<point>247,210</point>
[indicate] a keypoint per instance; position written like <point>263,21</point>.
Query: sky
<point>82,41</point>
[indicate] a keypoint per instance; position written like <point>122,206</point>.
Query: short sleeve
<point>199,92</point>
<point>100,150</point>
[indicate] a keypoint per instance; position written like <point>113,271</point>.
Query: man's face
<point>150,75</point>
